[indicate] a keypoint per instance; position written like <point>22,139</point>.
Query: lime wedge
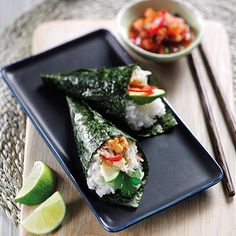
<point>38,186</point>
<point>47,216</point>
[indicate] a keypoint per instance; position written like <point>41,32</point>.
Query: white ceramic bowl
<point>135,9</point>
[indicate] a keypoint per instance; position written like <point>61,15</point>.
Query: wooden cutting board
<point>208,213</point>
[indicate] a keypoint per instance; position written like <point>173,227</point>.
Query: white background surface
<point>9,11</point>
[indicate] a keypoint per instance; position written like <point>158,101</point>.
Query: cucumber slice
<point>108,172</point>
<point>142,98</point>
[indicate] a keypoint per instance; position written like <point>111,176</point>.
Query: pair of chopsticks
<point>211,124</point>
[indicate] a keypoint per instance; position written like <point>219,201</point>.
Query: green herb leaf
<point>135,181</point>
<point>119,181</point>
<point>128,190</point>
<point>136,174</point>
<point>154,38</point>
<point>126,184</point>
<point>129,195</point>
<point>167,50</point>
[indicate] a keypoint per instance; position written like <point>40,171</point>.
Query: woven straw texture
<point>15,43</point>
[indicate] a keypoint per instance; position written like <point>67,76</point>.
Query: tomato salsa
<point>161,32</point>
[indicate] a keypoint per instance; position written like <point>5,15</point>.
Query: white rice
<point>141,75</point>
<point>95,180</point>
<point>139,116</point>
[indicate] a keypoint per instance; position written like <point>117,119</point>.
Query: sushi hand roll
<point>114,167</point>
<point>123,92</point>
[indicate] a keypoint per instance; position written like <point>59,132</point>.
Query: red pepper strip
<point>143,93</point>
<point>153,30</point>
<point>145,89</point>
<point>113,159</point>
<point>163,11</point>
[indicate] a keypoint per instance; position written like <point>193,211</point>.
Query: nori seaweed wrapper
<point>106,90</point>
<point>91,131</point>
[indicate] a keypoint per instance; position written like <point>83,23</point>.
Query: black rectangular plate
<point>179,165</point>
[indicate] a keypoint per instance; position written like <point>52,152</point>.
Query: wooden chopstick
<point>212,128</point>
<point>225,108</point>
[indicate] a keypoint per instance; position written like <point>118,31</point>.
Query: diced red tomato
<point>148,44</point>
<point>138,24</point>
<point>158,29</point>
<point>162,50</point>
<point>157,23</point>
<point>144,34</point>
<point>150,14</point>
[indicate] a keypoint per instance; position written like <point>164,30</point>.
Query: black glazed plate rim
<point>59,159</point>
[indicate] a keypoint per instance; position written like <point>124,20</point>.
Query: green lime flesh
<point>47,216</point>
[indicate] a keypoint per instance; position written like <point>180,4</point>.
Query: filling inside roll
<point>145,105</point>
<point>116,166</point>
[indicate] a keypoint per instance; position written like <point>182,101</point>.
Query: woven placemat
<point>15,43</point>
